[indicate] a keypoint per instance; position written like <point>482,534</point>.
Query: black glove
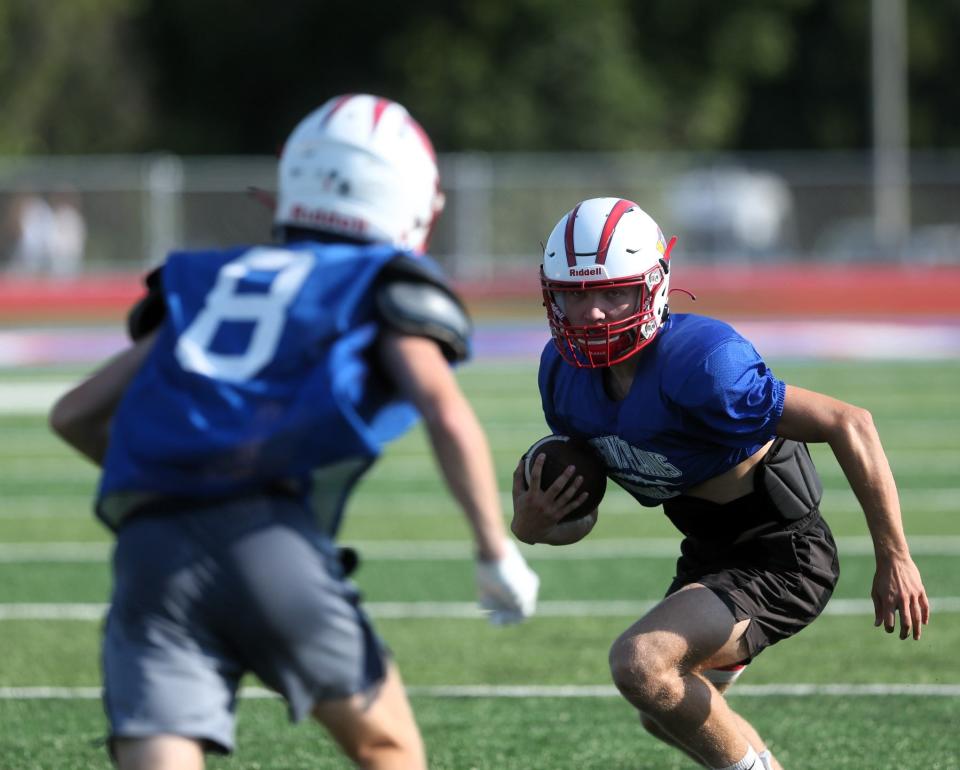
<point>349,560</point>
<point>148,313</point>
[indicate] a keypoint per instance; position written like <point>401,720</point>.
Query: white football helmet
<point>360,166</point>
<point>606,243</point>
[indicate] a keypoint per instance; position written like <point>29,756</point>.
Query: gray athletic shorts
<point>205,595</point>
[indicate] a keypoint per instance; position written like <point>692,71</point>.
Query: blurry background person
<point>67,235</point>
<point>49,234</point>
<point>33,227</point>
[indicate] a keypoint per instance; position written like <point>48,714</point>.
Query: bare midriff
<point>733,483</point>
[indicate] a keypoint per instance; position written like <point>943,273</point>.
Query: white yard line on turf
<point>460,550</point>
<point>838,502</point>
<point>454,610</point>
<point>31,397</point>
<point>550,691</point>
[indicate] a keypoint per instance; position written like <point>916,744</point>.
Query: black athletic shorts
<point>780,580</point>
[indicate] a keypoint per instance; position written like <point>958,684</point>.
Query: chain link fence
<point>783,208</point>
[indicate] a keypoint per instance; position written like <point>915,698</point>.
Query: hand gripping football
<point>560,452</point>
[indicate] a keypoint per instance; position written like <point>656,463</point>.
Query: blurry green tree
<point>218,76</point>
<point>70,77</point>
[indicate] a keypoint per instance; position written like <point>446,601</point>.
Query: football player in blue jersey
<point>685,414</point>
<point>262,383</point>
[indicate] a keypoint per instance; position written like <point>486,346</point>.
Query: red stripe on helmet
<point>341,100</point>
<point>378,109</point>
<point>568,237</point>
<point>670,245</point>
<point>620,208</point>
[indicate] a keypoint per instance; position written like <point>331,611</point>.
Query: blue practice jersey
<point>702,401</point>
<point>261,376</point>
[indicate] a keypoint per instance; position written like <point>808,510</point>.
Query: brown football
<point>562,451</point>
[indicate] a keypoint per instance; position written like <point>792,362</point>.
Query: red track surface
<point>783,292</point>
<point>25,300</point>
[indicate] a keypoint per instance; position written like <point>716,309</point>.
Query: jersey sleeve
<point>546,379</point>
<point>732,397</point>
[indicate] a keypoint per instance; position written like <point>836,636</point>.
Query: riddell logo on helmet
<point>583,272</point>
<point>329,219</point>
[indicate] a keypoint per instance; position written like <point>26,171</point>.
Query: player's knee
<point>645,674</point>
<point>160,752</point>
<point>376,746</point>
<point>651,726</point>
<point>389,750</point>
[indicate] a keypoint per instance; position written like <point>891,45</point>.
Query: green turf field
<point>536,696</point>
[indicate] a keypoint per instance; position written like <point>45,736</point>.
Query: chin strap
<point>665,264</point>
<point>683,291</point>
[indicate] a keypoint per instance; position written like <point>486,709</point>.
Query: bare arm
<point>853,437</point>
<point>459,442</point>
<point>82,416</point>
